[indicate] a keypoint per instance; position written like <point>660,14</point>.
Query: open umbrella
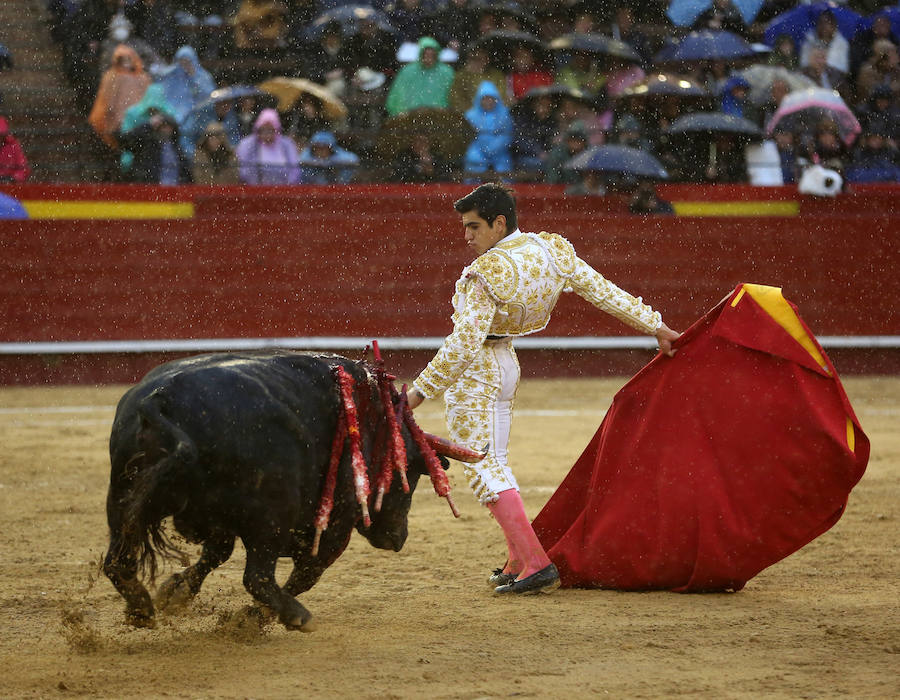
<point>204,112</point>
<point>621,160</point>
<point>761,76</point>
<point>500,44</point>
<point>596,44</point>
<point>448,130</point>
<point>289,90</point>
<point>806,108</point>
<point>508,8</point>
<point>350,18</point>
<point>684,13</point>
<point>801,19</point>
<point>709,123</point>
<point>664,85</point>
<point>708,45</point>
<point>557,92</point>
<point>893,15</point>
<point>232,93</point>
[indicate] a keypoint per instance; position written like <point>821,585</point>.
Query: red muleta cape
<point>712,465</point>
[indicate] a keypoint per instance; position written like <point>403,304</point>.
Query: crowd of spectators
<point>483,89</point>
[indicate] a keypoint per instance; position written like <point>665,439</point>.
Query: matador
<point>508,291</point>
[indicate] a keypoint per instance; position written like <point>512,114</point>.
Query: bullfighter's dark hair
<point>489,201</point>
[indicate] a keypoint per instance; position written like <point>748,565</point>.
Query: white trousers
<point>479,415</point>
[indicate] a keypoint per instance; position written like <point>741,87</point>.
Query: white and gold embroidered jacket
<point>511,290</point>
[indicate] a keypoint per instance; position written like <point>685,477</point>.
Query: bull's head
<point>402,450</point>
<point>389,523</point>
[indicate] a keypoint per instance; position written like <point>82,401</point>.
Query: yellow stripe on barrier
<point>736,208</point>
<point>45,209</point>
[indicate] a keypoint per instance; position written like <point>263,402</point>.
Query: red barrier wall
<point>378,262</point>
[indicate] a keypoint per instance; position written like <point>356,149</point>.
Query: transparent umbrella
<point>762,76</point>
<point>621,160</point>
<point>803,109</point>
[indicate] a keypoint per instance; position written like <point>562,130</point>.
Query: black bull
<point>238,445</point>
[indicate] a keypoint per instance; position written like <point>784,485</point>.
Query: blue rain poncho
<point>493,133</point>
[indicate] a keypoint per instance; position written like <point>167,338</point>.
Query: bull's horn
<point>450,449</point>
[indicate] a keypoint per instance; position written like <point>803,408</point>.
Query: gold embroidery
<point>498,270</point>
<point>525,274</point>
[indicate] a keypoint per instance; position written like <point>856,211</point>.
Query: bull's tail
<point>164,477</point>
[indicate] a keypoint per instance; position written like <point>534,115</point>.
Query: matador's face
<point>480,235</point>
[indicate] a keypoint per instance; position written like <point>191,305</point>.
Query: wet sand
<point>422,622</point>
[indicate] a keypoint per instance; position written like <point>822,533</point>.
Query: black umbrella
<point>664,85</point>
<point>557,92</point>
<point>714,123</point>
<point>622,160</point>
<point>596,44</point>
<point>508,8</point>
<point>500,44</point>
<point>350,18</point>
<point>450,133</point>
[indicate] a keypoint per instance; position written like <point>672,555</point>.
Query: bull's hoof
<point>303,623</point>
<point>174,594</point>
<point>137,618</point>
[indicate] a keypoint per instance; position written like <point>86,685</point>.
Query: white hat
<point>367,79</point>
<point>409,52</point>
<point>119,27</point>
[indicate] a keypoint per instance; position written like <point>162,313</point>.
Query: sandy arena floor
<point>422,623</point>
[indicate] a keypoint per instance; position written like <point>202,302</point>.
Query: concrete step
<point>39,101</point>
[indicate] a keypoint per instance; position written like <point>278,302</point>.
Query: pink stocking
<point>523,544</point>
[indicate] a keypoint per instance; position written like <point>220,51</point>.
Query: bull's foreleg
<point>180,588</point>
<point>307,570</point>
<point>259,580</point>
<point>121,569</point>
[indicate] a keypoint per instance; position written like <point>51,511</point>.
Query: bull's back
<point>250,417</point>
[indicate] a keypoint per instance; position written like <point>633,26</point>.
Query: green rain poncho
<point>418,86</point>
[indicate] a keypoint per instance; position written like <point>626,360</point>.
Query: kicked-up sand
<point>422,623</point>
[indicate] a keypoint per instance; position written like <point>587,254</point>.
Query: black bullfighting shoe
<point>498,578</point>
<point>543,581</point>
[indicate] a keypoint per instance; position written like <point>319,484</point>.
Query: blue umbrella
<point>796,22</point>
<point>624,160</point>
<point>684,13</point>
<point>711,44</point>
<point>893,15</point>
<point>11,208</point>
<point>350,18</point>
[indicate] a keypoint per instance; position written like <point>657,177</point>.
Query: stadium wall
<point>104,282</point>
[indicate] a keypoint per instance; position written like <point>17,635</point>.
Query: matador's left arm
<point>589,284</point>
